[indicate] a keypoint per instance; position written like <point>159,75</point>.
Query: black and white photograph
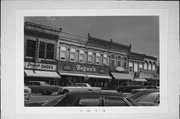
<point>91,61</point>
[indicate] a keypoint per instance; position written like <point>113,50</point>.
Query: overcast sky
<point>142,32</point>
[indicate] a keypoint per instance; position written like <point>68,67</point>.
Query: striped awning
<point>122,76</point>
<point>37,73</point>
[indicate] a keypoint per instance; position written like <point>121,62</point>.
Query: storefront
<point>41,72</point>
<point>119,78</point>
<point>72,73</point>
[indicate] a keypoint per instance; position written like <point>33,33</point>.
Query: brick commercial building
<point>64,59</point>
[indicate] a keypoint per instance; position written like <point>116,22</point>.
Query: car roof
<point>95,94</point>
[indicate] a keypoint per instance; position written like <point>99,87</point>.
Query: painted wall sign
<point>41,66</point>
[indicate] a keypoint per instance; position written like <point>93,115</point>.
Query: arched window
<point>145,65</point>
<point>81,56</point>
<point>72,54</point>
<point>63,53</point>
<point>105,59</point>
<point>98,58</point>
<point>119,61</point>
<point>154,66</point>
<point>140,67</point>
<point>150,66</point>
<point>90,57</point>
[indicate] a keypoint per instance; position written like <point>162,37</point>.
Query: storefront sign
<point>85,68</point>
<point>31,65</point>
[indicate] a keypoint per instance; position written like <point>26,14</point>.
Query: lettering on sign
<point>31,65</point>
<point>85,69</point>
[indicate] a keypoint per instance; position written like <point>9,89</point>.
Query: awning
<point>36,73</point>
<point>99,76</point>
<point>122,76</point>
<point>73,74</point>
<point>139,79</point>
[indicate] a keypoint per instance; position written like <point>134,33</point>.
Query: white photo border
<point>168,46</point>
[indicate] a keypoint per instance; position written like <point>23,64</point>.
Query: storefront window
<point>112,60</point>
<point>105,59</point>
<point>98,58</point>
<point>63,53</point>
<point>72,54</point>
<point>90,57</point>
<point>42,50</point>
<point>31,46</point>
<point>81,56</point>
<point>119,61</point>
<point>50,51</point>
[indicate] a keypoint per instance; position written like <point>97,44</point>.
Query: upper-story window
<point>98,58</point>
<point>135,67</point>
<point>81,56</point>
<point>112,60</point>
<point>154,67</point>
<point>90,57</point>
<point>140,67</point>
<point>31,47</point>
<point>150,66</point>
<point>50,51</point>
<point>145,65</point>
<point>119,61</point>
<point>42,50</point>
<point>130,66</point>
<point>72,54</point>
<point>63,53</point>
<point>124,62</point>
<point>105,59</point>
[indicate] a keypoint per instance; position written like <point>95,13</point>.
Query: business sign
<point>40,66</point>
<point>83,68</point>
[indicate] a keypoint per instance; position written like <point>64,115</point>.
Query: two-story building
<point>40,44</point>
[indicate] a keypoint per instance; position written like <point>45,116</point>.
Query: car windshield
<point>55,101</point>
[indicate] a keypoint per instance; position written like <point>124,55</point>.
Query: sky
<point>142,32</point>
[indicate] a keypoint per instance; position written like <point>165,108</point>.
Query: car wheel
<point>65,91</point>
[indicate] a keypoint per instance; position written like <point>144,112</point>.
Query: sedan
<point>147,97</point>
<point>92,99</point>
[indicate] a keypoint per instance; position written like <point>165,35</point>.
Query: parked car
<point>80,87</point>
<point>92,99</point>
<point>127,87</point>
<point>27,93</point>
<point>43,87</point>
<point>147,97</point>
<point>144,88</point>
